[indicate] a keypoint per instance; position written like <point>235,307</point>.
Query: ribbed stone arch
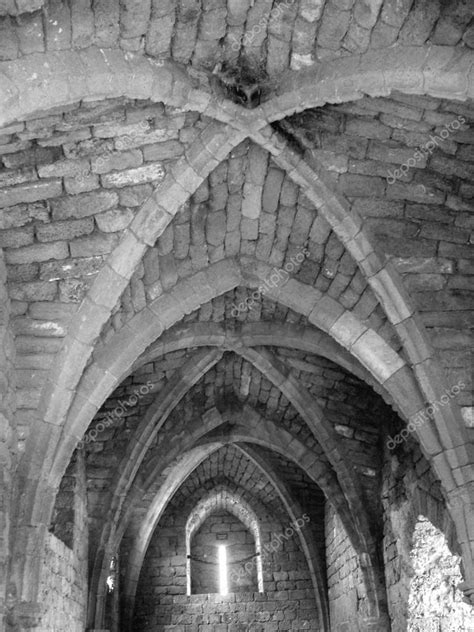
<point>63,78</point>
<point>115,359</point>
<point>179,89</point>
<point>203,287</point>
<point>173,392</point>
<point>37,499</point>
<point>210,423</point>
<point>157,414</point>
<point>226,500</point>
<point>437,71</point>
<point>316,567</point>
<point>430,70</point>
<point>97,593</point>
<point>258,431</point>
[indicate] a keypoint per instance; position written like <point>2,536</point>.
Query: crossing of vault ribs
<point>160,164</point>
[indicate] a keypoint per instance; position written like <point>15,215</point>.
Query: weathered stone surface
<point>116,161</point>
<point>37,252</point>
<point>329,406</point>
<point>64,168</point>
<point>96,244</point>
<point>30,192</point>
<point>34,291</point>
<point>148,173</point>
<point>83,205</point>
<point>65,230</point>
<point>163,151</point>
<point>114,220</point>
<point>81,267</point>
<point>16,238</point>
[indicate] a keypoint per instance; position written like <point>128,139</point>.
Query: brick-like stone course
<point>288,597</point>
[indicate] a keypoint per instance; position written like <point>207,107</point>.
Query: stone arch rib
<point>422,70</point>
<point>267,435</point>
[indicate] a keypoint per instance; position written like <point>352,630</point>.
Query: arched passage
<point>259,432</point>
<point>426,74</point>
<point>230,502</point>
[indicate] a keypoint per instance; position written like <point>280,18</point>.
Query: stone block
<point>216,228</point>
<point>114,220</point>
<point>83,205</point>
<point>271,190</point>
<point>33,291</point>
<point>149,173</point>
<point>361,186</point>
<point>82,21</point>
<point>377,356</point>
<point>30,192</point>
<point>252,200</point>
<point>22,272</point>
<point>16,238</point>
<point>117,161</point>
<point>82,183</point>
<point>17,176</point>
<point>367,128</point>
<point>135,195</point>
<point>64,168</point>
<point>65,230</point>
<point>37,253</point>
<point>333,27</point>
<point>163,151</point>
<point>81,267</point>
<point>96,244</point>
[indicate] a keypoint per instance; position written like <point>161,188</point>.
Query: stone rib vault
<point>237,305</point>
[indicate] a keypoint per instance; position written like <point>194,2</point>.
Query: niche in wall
<point>223,529</point>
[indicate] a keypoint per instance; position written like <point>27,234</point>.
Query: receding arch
<point>178,473</point>
<point>280,441</point>
<point>294,511</point>
<point>186,378</point>
<point>221,498</point>
<point>220,277</point>
<point>432,70</point>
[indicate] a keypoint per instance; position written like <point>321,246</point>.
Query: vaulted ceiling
<point>226,220</point>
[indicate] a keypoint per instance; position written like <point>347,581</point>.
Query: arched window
<point>223,546</point>
<point>434,602</point>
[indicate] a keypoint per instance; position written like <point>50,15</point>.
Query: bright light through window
<point>223,588</point>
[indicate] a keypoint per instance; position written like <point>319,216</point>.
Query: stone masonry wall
<point>63,583</point>
<point>62,589</point>
<point>345,585</point>
<point>267,612</point>
<point>162,603</point>
<point>320,29</point>
<point>225,529</point>
<point>410,490</point>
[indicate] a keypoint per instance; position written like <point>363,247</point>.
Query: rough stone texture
<point>347,595</point>
<point>288,598</point>
<point>64,574</point>
<point>136,198</point>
